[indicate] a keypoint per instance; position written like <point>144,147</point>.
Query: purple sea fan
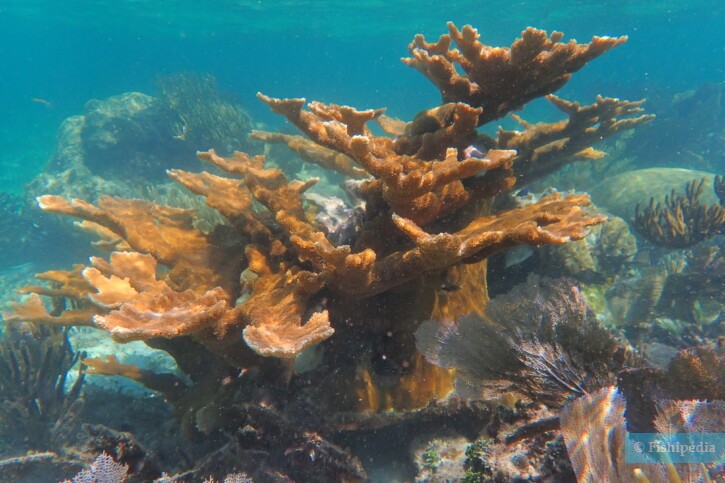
<point>542,336</point>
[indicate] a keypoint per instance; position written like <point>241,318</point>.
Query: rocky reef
<point>130,139</point>
<point>294,331</point>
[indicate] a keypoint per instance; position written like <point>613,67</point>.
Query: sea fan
<point>542,336</point>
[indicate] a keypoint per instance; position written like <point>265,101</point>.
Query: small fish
<point>473,152</point>
<point>38,100</point>
<point>449,287</point>
<point>518,254</point>
<point>450,281</point>
<point>182,128</point>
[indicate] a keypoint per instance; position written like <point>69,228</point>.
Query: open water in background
<point>68,52</point>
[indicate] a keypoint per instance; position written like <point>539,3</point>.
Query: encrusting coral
<point>271,283</point>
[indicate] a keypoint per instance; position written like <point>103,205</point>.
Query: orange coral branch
<point>33,310</point>
<point>269,186</point>
<point>168,384</point>
<point>107,240</point>
<point>414,187</point>
<point>142,307</point>
<point>276,308</point>
<point>64,283</point>
<point>553,220</point>
<point>502,79</point>
<point>313,153</point>
<point>228,196</point>
<point>543,148</point>
<point>166,233</point>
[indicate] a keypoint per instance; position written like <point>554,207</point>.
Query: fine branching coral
<point>271,282</point>
<point>655,293</point>
<point>103,470</point>
<point>681,220</point>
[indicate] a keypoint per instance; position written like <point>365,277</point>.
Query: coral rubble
<point>241,304</point>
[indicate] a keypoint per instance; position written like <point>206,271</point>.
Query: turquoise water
<point>70,52</point>
<point>291,418</point>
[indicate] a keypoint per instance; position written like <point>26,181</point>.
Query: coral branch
<point>554,220</point>
<point>269,186</point>
<point>64,283</point>
<point>33,310</point>
<point>543,148</point>
<point>501,79</point>
<point>168,384</point>
<point>422,185</point>
<point>276,308</point>
<point>143,307</point>
<point>313,153</point>
<point>227,196</point>
<point>165,233</point>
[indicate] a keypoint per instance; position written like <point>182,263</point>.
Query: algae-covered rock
<point>136,137</point>
<point>620,194</point>
<point>68,151</point>
<point>131,134</point>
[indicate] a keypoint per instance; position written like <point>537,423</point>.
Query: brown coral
<point>272,280</point>
<point>553,220</point>
<point>410,184</point>
<point>500,79</point>
<point>544,148</point>
<point>313,153</point>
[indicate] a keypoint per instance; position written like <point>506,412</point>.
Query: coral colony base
<point>295,334</point>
